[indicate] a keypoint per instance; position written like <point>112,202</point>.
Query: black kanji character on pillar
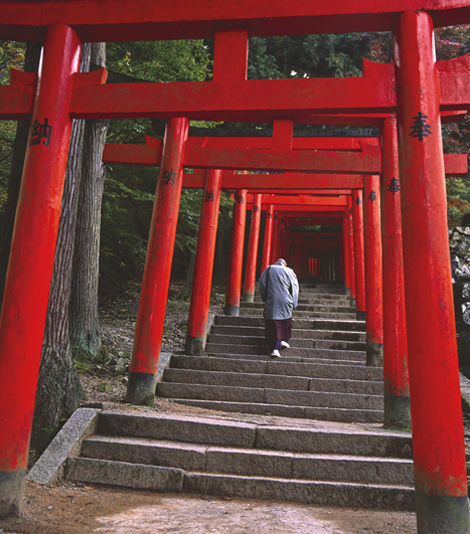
<point>393,186</point>
<point>41,131</point>
<point>372,196</point>
<point>239,198</point>
<point>209,197</point>
<point>420,127</point>
<point>256,209</point>
<point>358,201</point>
<point>168,177</point>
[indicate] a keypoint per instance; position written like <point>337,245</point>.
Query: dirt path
<point>81,509</point>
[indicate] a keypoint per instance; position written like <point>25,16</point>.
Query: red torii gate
<point>442,501</point>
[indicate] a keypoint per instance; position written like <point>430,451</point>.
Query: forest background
<point>111,227</point>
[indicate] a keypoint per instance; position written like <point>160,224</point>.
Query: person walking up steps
<point>279,290</point>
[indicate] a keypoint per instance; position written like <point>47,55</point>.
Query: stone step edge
<point>124,474</point>
<point>183,445</point>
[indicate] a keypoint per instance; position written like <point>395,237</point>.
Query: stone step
<point>249,461</point>
<point>299,323</point>
<point>262,433</point>
<point>312,314</point>
<point>340,370</point>
<point>301,343</point>
<point>297,490</point>
<point>297,333</point>
<point>270,396</point>
<point>330,354</point>
<point>333,308</point>
<point>263,380</point>
<point>344,415</point>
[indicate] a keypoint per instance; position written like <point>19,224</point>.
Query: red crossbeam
<point>147,19</point>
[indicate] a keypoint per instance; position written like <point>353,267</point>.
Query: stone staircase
<point>305,427</point>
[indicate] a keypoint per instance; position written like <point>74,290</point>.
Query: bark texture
<point>33,52</point>
<point>85,327</point>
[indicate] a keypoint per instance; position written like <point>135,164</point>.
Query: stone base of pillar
<point>348,292</point>
<point>231,309</point>
<point>195,346</point>
<point>442,514</point>
<point>397,412</point>
<point>352,302</point>
<point>141,389</point>
<point>11,493</point>
<point>361,315</point>
<point>374,353</point>
<point>248,298</point>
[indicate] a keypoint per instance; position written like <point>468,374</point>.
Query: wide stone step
<point>297,490</point>
<point>252,462</point>
<point>299,323</point>
<point>272,381</point>
<point>297,333</point>
<point>311,314</point>
<point>270,396</point>
<point>300,343</point>
<point>330,354</point>
<point>335,370</point>
<point>344,415</point>
<point>305,307</point>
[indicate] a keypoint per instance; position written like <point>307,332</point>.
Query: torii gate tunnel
<point>416,88</point>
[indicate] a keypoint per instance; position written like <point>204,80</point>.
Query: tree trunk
<point>59,391</point>
<point>31,63</point>
<point>85,327</point>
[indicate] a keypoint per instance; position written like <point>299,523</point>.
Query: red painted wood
<point>154,292</point>
<point>301,200</point>
<point>268,236</point>
<point>344,233</point>
<point>252,256</point>
<point>204,260</point>
<point>373,265</point>
<point>32,252</point>
<point>438,444</point>
<point>396,377</point>
<point>234,281</point>
<point>352,273</point>
<point>230,55</point>
<point>181,19</point>
<point>358,230</point>
<point>275,240</point>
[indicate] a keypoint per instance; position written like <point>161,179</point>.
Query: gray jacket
<point>282,291</point>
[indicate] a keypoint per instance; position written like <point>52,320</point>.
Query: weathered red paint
<point>373,271</point>
<point>396,377</point>
<point>268,237</point>
<point>33,247</point>
<point>252,256</point>
<point>438,444</point>
<point>358,236</point>
<point>275,239</point>
<point>234,282</point>
<point>154,292</point>
<point>204,260</point>
<point>352,274</point>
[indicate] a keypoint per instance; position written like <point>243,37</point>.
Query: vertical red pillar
<point>31,260</point>
<point>203,264</point>
<point>436,410</point>
<point>396,380</point>
<point>252,257</point>
<point>345,263</point>
<point>234,282</point>
<point>358,229</point>
<point>352,274</point>
<point>268,237</point>
<point>154,292</point>
<point>373,271</point>
<point>275,240</point>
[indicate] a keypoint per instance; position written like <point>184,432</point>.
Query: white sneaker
<point>285,345</point>
<point>275,353</point>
